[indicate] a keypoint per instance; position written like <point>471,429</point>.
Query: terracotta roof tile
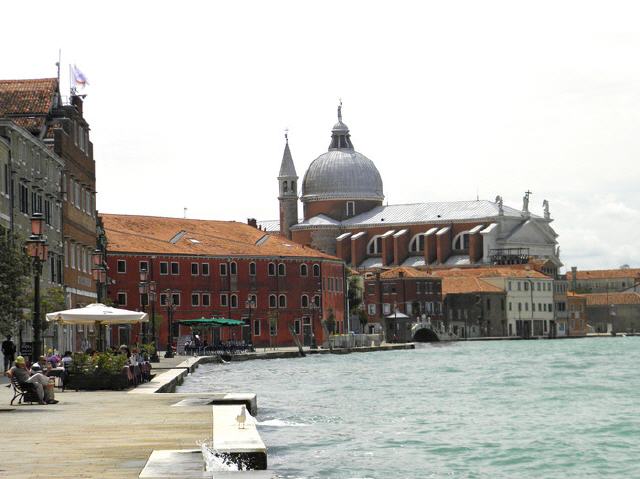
<point>28,102</point>
<point>605,273</point>
<point>27,96</point>
<point>406,271</point>
<point>513,271</point>
<point>177,236</point>
<point>462,284</point>
<point>604,299</point>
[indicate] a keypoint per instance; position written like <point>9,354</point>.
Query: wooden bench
<point>23,392</point>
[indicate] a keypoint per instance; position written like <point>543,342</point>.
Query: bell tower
<point>288,191</point>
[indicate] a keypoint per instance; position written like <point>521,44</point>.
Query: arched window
<point>293,186</point>
<point>316,300</point>
<point>461,241</point>
<point>234,300</point>
<point>316,270</point>
<point>375,245</point>
<point>304,301</point>
<point>282,301</point>
<point>272,301</point>
<point>417,243</point>
<point>285,187</point>
<point>252,269</point>
<point>272,269</point>
<point>303,270</point>
<point>233,267</point>
<point>282,270</point>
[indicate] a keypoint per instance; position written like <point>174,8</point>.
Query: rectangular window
<point>510,284</point>
<point>122,266</point>
<point>195,299</point>
<point>143,266</point>
<point>234,300</point>
<point>194,269</point>
<point>223,269</point>
<point>510,306</point>
<point>256,327</point>
<point>233,268</point>
<point>206,299</point>
<point>205,269</point>
<point>297,326</point>
<point>164,267</point>
<point>519,286</point>
<point>526,286</point>
<point>386,308</point>
<point>175,268</point>
<point>144,299</point>
<point>224,300</point>
<point>351,208</point>
<point>176,299</point>
<point>273,326</point>
<point>163,299</point>
<point>122,299</point>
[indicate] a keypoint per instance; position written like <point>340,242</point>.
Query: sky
<point>188,103</point>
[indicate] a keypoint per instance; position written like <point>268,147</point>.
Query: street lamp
<point>38,250</point>
<point>170,308</point>
<point>314,308</point>
<point>250,304</point>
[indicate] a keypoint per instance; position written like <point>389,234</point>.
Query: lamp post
<point>250,304</point>
<point>38,250</point>
<point>143,289</point>
<point>170,308</point>
<point>314,308</point>
<point>99,271</point>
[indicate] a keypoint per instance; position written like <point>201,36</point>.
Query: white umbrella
<point>100,313</point>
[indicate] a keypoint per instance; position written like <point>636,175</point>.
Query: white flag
<point>79,78</point>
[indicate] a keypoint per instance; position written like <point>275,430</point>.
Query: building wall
<point>530,312</point>
<point>328,286</point>
<point>624,318</point>
<point>324,239</point>
<point>413,297</point>
<point>71,142</point>
<point>476,314</point>
<point>337,209</point>
<point>577,319</point>
<point>30,179</point>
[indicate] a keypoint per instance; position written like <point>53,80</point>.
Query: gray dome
<point>342,173</point>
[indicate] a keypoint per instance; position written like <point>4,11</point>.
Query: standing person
<point>9,352</point>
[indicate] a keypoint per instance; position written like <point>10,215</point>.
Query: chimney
<point>574,280</point>
<point>77,102</point>
<point>252,222</point>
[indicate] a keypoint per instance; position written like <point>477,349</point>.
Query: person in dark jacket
<point>9,352</point>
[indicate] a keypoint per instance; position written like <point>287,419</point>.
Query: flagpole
<point>70,80</point>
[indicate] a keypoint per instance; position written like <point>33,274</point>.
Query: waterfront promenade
<point>107,434</point>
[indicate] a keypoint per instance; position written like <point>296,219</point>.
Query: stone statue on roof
<point>499,203</point>
<point>545,206</point>
<point>525,201</point>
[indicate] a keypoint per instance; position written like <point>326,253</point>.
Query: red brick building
<point>398,297</point>
<point>215,268</point>
<point>344,215</point>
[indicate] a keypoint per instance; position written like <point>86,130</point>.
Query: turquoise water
<point>538,409</point>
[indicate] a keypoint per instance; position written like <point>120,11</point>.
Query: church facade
<point>343,214</point>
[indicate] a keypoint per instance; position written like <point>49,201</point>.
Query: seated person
<point>40,381</point>
<point>39,366</point>
<point>53,358</point>
<point>67,359</point>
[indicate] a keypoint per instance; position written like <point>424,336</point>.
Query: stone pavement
<point>90,434</point>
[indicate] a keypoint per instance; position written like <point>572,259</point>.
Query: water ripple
<point>508,409</point>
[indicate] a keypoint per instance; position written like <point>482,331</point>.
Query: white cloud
<point>188,102</point>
